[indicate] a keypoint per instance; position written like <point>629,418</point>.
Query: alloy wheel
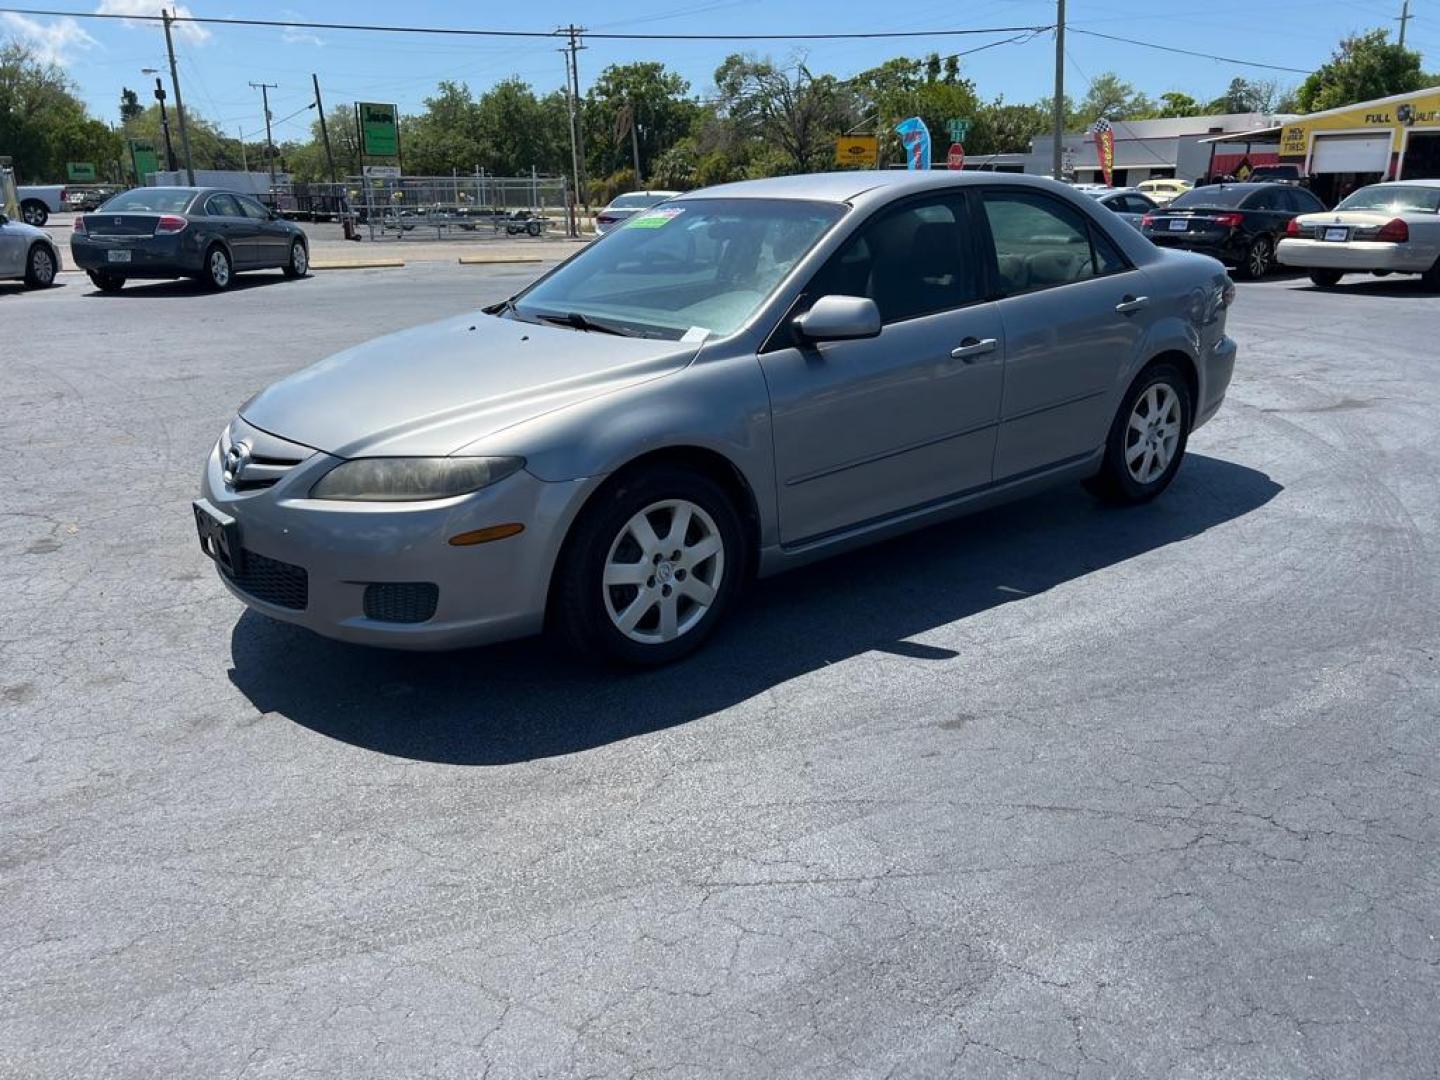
<point>219,269</point>
<point>42,267</point>
<point>663,571</point>
<point>299,259</point>
<point>1153,433</point>
<point>34,215</point>
<point>1259,258</point>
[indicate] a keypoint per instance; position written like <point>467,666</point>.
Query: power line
<point>466,32</point>
<point>1190,52</point>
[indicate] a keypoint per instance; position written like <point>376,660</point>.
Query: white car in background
<point>1390,228</point>
<point>623,206</point>
<point>26,253</point>
<point>1163,189</point>
<point>1132,204</point>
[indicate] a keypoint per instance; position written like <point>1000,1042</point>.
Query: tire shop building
<point>1339,150</point>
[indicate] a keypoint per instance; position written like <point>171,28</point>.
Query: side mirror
<point>839,318</point>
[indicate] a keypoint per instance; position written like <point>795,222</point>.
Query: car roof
<point>1406,183</point>
<point>846,187</point>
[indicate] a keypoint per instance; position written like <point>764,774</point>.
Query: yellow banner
<point>857,149</point>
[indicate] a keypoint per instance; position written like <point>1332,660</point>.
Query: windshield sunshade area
<point>701,266</point>
<point>155,200</point>
<point>1393,198</point>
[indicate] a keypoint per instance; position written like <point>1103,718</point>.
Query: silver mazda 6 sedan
<point>742,380</point>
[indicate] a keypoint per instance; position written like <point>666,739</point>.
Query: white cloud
<point>53,42</point>
<point>299,35</point>
<point>186,31</point>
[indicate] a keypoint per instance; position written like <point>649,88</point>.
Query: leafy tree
<point>1112,98</point>
<point>43,124</point>
<point>1174,103</point>
<point>931,89</point>
<point>644,94</point>
<point>1006,129</point>
<point>792,113</point>
<point>1364,66</point>
<point>130,107</point>
<point>1254,95</point>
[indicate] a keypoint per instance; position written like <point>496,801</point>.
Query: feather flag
<point>916,137</point>
<point>1105,148</point>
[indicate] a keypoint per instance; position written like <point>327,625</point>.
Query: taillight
<point>64,195</point>
<point>1147,221</point>
<point>170,223</point>
<point>1292,227</point>
<point>1229,221</point>
<point>80,225</point>
<point>1393,231</point>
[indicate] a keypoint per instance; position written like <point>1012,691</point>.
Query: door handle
<point>972,347</point>
<point>1130,303</point>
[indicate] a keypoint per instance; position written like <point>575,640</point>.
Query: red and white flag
<point>1104,148</point>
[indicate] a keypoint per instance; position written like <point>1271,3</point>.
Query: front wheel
<point>1256,263</point>
<point>652,566</point>
<point>217,273</point>
<point>40,268</point>
<point>1325,279</point>
<point>105,281</point>
<point>1147,439</point>
<point>299,264</point>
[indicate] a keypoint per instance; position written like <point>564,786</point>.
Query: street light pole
<point>164,121</point>
<point>179,104</point>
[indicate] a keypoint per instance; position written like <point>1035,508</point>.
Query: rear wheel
<point>1256,263</point>
<point>1326,279</point>
<point>1431,278</point>
<point>650,569</point>
<point>34,213</point>
<point>299,264</point>
<point>217,273</point>
<point>40,267</point>
<point>1147,439</point>
<point>105,281</point>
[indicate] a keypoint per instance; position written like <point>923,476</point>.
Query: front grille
<point>253,460</point>
<point>280,583</point>
<point>401,601</point>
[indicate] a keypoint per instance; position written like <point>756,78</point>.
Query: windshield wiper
<point>584,322</point>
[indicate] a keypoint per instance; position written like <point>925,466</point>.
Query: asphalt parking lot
<point>1054,790</point>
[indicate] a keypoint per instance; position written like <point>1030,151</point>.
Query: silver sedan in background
<point>1381,229</point>
<point>1129,204</point>
<point>737,382</point>
<point>627,205</point>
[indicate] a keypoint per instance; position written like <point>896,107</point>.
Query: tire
<point>1129,475</point>
<point>1431,278</point>
<point>34,213</point>
<point>533,228</point>
<point>105,281</point>
<point>1259,257</point>
<point>41,267</point>
<point>588,616</point>
<point>1325,279</point>
<point>218,272</point>
<point>299,263</point>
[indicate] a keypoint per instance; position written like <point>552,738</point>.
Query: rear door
<point>865,429</point>
<point>1268,211</point>
<point>224,218</point>
<point>272,244</point>
<point>13,249</point>
<point>1074,313</point>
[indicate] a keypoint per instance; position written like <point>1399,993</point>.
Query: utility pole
<point>1057,151</point>
<point>635,141</point>
<point>574,145</point>
<point>244,165</point>
<point>1405,18</point>
<point>265,89</point>
<point>574,48</point>
<point>179,104</point>
<point>165,124</point>
<point>324,131</point>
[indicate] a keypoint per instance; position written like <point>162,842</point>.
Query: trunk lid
<point>102,224</point>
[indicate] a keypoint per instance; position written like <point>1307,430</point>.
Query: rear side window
<point>222,206</point>
<point>1306,201</point>
<point>252,209</point>
<point>912,260</point>
<point>1270,199</point>
<point>1041,243</point>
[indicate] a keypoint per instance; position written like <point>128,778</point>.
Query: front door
<point>867,428</point>
<point>229,221</point>
<point>272,240</point>
<point>1074,313</point>
<point>14,247</point>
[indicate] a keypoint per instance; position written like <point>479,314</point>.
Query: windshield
<point>698,267</point>
<point>637,202</point>
<point>1215,195</point>
<point>154,200</point>
<point>1391,197</point>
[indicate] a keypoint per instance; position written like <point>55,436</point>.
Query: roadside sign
<point>857,149</point>
<point>379,129</point>
<point>81,172</point>
<point>958,129</point>
<point>955,159</point>
<point>382,172</point>
<point>144,158</point>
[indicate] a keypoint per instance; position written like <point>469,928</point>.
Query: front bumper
<point>170,256</point>
<point>484,593</point>
<point>1355,255</point>
<point>1219,365</point>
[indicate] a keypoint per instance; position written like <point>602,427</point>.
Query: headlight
<point>412,479</point>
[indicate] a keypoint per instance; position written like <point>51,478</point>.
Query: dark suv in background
<point>1239,224</point>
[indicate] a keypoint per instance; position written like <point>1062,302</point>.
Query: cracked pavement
<point>1053,791</point>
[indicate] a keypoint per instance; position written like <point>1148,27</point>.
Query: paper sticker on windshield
<point>655,219</point>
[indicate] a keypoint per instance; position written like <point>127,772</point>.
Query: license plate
<point>118,256</point>
<point>1338,235</point>
<point>1178,224</point>
<point>219,537</point>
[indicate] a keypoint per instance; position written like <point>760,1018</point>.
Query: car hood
<point>434,389</point>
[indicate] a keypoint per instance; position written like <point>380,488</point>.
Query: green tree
<point>644,94</point>
<point>1112,98</point>
<point>931,89</point>
<point>1005,129</point>
<point>1364,66</point>
<point>130,107</point>
<point>792,114</point>
<point>43,124</point>
<point>1253,95</point>
<point>1174,103</point>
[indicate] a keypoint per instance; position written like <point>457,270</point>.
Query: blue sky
<point>216,63</point>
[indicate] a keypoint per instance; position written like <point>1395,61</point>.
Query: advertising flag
<point>916,137</point>
<point>1105,148</point>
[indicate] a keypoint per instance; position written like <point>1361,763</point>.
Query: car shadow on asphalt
<point>241,282</point>
<point>521,701</point>
<point>1400,285</point>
